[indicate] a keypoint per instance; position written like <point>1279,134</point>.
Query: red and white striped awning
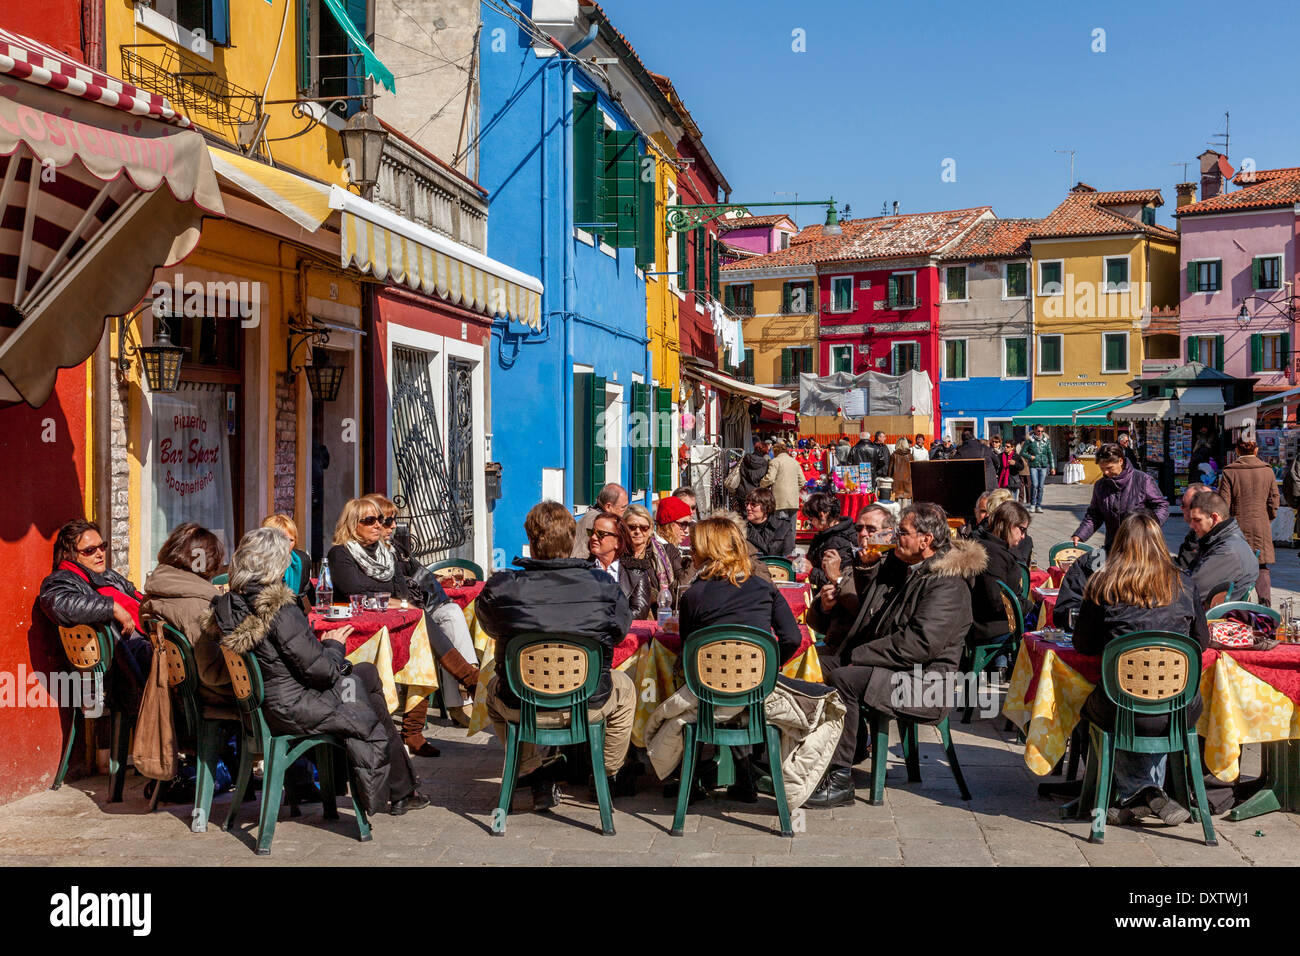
<point>31,60</point>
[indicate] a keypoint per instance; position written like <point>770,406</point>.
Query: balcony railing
<point>743,311</point>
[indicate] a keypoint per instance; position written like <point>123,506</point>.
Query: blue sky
<point>885,93</point>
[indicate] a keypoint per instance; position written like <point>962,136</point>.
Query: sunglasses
<point>866,527</point>
<point>639,528</point>
<point>93,549</point>
<point>369,520</point>
<point>601,535</point>
<point>685,524</point>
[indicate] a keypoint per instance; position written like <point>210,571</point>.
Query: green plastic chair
<point>1067,546</point>
<point>975,659</point>
<point>461,563</point>
<point>1026,591</point>
<point>730,666</point>
<point>551,673</point>
<point>1166,669</point>
<point>1221,611</point>
<point>183,679</point>
<point>90,651</point>
<point>221,580</point>
<point>781,569</point>
<point>911,752</point>
<point>278,752</point>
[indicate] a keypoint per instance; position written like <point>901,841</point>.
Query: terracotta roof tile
<point>1085,213</point>
<point>895,237</point>
<point>753,222</point>
<point>994,239</point>
<point>1262,175</point>
<point>1271,188</point>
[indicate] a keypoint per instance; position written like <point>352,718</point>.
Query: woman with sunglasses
<point>82,589</point>
<point>1006,529</point>
<point>646,558</point>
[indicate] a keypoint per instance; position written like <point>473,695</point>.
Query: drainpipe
<point>101,366</point>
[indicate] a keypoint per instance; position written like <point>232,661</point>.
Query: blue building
<point>562,163</point>
<point>985,323</point>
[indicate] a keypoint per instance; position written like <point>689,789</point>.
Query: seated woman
<point>728,591</point>
<point>179,591</point>
<point>308,683</point>
<point>83,590</point>
<point>298,578</point>
<point>769,532</point>
<point>647,557</point>
<point>607,544</point>
<point>673,523</point>
<point>1139,589</point>
<point>999,538</point>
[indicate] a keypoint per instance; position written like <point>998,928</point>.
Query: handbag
<point>732,481</point>
<point>154,751</point>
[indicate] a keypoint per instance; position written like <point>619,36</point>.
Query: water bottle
<point>325,585</point>
<point>800,563</point>
<point>665,602</point>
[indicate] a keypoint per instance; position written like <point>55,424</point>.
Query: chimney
<point>1186,194</point>
<point>895,207</point>
<point>1211,174</point>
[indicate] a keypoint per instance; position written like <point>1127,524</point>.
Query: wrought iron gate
<point>425,493</point>
<point>460,444</point>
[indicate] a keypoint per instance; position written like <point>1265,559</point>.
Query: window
<point>747,367</point>
<point>1015,357</point>
<point>797,298</point>
<point>1269,351</point>
<point>1015,284</point>
<point>842,294</point>
<point>842,358</point>
<point>1266,272</point>
<point>793,362</point>
<point>739,299</point>
<point>902,290</point>
<point>1206,349</point>
<point>670,199</point>
<point>1114,352</point>
<point>785,240</point>
<point>1205,275</point>
<point>1051,277</point>
<point>955,283</point>
<point>1148,216</point>
<point>954,359</point>
<point>328,62</point>
<point>906,357</point>
<point>1049,354</point>
<point>613,183</point>
<point>1117,273</point>
<point>209,19</point>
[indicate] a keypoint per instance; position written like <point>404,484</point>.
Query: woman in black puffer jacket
<point>309,685</point>
<point>1006,526</point>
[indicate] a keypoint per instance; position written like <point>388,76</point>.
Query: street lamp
<point>832,227</point>
<point>684,218</point>
<point>363,145</point>
<point>1288,312</point>
<point>161,361</point>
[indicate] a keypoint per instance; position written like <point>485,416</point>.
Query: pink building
<point>1239,248</point>
<point>756,235</point>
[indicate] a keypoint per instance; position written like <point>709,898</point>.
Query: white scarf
<point>380,566</point>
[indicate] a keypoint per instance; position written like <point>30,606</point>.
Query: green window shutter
<point>640,437</point>
<point>729,298</point>
<point>621,182</point>
<point>956,285</point>
<point>595,449</point>
<point>1193,349</point>
<point>714,256</point>
<point>701,259</point>
<point>647,212</point>
<point>1256,352</point>
<point>1218,352</point>
<point>304,45</point>
<point>1193,282</point>
<point>893,291</point>
<point>785,297</point>
<point>1017,355</point>
<point>1286,351</point>
<point>681,262</point>
<point>747,370</point>
<point>665,478</point>
<point>1256,273</point>
<point>588,157</point>
<point>787,365</point>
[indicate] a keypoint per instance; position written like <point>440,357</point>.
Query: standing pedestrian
<point>971,448</point>
<point>1130,452</point>
<point>900,469</point>
<point>918,449</point>
<point>1120,490</point>
<point>1037,451</point>
<point>1250,489</point>
<point>785,478</point>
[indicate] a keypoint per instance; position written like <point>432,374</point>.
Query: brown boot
<point>466,674</point>
<point>461,715</point>
<point>413,731</point>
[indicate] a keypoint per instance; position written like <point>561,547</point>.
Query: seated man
<point>923,596</point>
<point>1188,549</point>
<point>838,602</point>
<point>556,594</point>
<point>1223,556</point>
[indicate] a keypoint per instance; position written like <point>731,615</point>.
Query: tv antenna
<point>1221,136</point>
<point>1070,184</point>
<point>1184,165</point>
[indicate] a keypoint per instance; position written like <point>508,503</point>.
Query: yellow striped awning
<point>387,246</point>
<point>304,201</point>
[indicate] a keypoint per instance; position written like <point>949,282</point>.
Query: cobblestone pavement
<point>1005,823</point>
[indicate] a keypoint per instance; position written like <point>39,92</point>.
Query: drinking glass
<point>1074,616</point>
<point>357,603</point>
<point>882,542</point>
<point>381,600</point>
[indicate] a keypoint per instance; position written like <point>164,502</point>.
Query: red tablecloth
<point>400,624</point>
<point>1279,668</point>
<point>853,502</point>
<point>463,596</point>
<point>797,598</point>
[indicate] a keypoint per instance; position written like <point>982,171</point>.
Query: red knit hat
<point>672,509</point>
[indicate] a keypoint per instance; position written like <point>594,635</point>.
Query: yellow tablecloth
<point>417,679</point>
<point>1238,709</point>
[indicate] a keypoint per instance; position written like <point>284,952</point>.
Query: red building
<point>878,293</point>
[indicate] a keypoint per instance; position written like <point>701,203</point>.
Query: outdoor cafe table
<point>650,657</point>
<point>396,641</point>
<point>1248,697</point>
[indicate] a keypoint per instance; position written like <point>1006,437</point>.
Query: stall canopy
<point>302,200</point>
<point>1200,400</point>
<point>1050,411</point>
<point>778,398</point>
<point>84,217</point>
<point>387,246</point>
<point>1150,410</point>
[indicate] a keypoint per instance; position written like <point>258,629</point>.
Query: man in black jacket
<point>943,451</point>
<point>834,533</point>
<point>922,611</point>
<point>555,594</point>
<point>971,447</point>
<point>1223,555</point>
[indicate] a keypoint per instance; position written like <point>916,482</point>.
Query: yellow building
<point>661,289</point>
<point>1101,268</point>
<point>239,438</point>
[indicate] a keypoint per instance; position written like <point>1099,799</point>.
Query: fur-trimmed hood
<point>961,559</point>
<point>243,623</point>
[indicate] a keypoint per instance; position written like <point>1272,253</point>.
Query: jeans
<point>1135,772</point>
<point>1037,478</point>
